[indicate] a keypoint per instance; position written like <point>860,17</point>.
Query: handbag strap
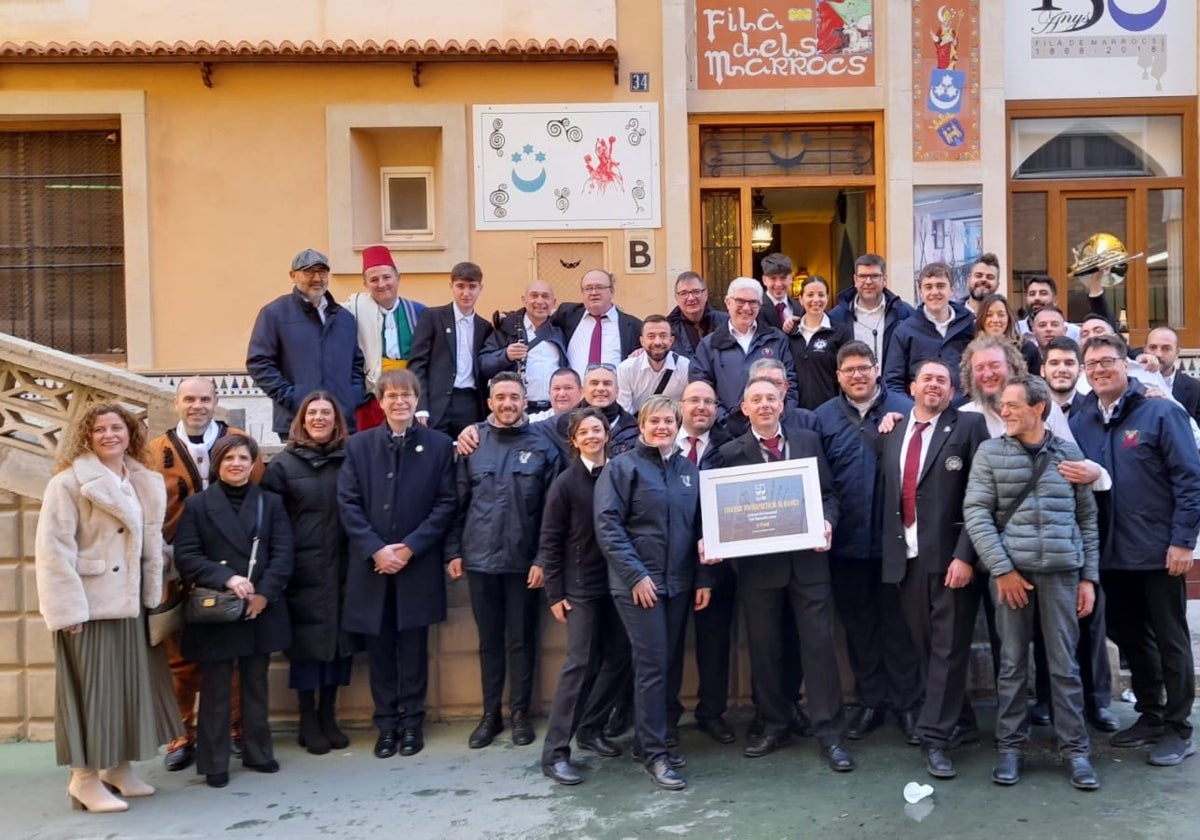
<point>254,542</point>
<point>1039,467</point>
<point>664,379</point>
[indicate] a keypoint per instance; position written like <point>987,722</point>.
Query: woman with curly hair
<point>99,562</point>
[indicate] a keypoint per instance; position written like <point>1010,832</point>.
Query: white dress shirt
<point>464,357</point>
<point>636,380</point>
<point>581,341</point>
<point>744,339</point>
<point>540,364</point>
<point>685,445</point>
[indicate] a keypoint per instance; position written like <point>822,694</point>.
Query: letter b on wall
<point>639,252</point>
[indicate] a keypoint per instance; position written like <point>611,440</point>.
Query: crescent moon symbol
<point>944,104</point>
<point>531,186</point>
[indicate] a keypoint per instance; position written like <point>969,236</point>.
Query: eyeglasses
<point>868,277</point>
<point>601,366</point>
<point>746,304</point>
<point>858,369</point>
<point>315,272</point>
<point>595,290</point>
<point>396,396</point>
<point>1107,363</point>
<point>690,293</point>
<point>708,401</point>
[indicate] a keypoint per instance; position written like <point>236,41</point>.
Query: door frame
<point>874,183</point>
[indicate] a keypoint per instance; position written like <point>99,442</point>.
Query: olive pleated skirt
<point>114,700</point>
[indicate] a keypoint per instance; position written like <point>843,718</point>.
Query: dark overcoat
<point>213,544</point>
<point>306,479</point>
<point>396,490</point>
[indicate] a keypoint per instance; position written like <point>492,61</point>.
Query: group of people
<point>552,456</point>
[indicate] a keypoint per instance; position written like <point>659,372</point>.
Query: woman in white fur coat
<point>99,560</point>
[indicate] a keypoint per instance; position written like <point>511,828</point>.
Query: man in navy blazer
<point>620,333</point>
<point>925,462</point>
<point>398,500</point>
<point>445,356</point>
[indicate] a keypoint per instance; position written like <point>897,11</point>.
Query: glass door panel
<point>1087,215</point>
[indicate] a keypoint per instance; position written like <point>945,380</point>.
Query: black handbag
<point>205,605</point>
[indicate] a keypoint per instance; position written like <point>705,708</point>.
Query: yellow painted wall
<point>808,245</point>
<point>237,177</point>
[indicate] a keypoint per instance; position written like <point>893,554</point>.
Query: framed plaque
<point>762,509</point>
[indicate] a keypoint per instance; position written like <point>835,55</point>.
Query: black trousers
<point>462,410</point>
<point>1091,653</point>
<point>656,638</point>
<point>941,622</point>
<point>592,676</point>
<point>714,635</point>
<point>399,668</point>
<point>812,607</point>
<point>506,614</point>
<point>882,657</point>
<point>1148,613</point>
<point>216,708</point>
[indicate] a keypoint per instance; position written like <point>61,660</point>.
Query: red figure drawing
<point>605,171</point>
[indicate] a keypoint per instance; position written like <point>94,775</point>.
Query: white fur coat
<point>96,558</point>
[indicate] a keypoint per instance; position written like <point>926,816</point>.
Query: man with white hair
<point>724,357</point>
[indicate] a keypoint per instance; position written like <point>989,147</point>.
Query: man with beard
<point>882,657</point>
<point>1163,344</point>
<point>692,318</point>
<point>658,370</point>
<point>528,342</point>
<point>503,484</point>
<point>925,461</point>
<point>1041,291</point>
<point>870,307</point>
<point>1048,323</point>
<point>983,280</point>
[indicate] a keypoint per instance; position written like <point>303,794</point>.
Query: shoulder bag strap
<point>254,543</point>
<point>1039,467</point>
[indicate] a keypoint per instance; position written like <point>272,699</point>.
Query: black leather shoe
<point>489,727</point>
<point>766,745</point>
<point>674,759</point>
<point>412,740</point>
<point>908,725</point>
<point>960,735</point>
<point>271,766</point>
<point>672,739</point>
<point>562,772</point>
<point>1008,769</point>
<point>597,744</point>
<point>800,723</point>
<point>837,758</point>
<point>523,734</point>
<point>664,775</point>
<point>757,727</point>
<point>386,745</point>
<point>1104,720</point>
<point>1171,750</point>
<point>180,758</point>
<point>1141,734</point>
<point>1082,774</point>
<point>865,721</point>
<point>1041,715</point>
<point>618,722</point>
<point>217,780</point>
<point>938,764</point>
<point>717,729</point>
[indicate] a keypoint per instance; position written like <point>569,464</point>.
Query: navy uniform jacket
<point>433,360</point>
<point>396,491</point>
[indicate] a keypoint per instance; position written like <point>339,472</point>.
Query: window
<point>407,195</point>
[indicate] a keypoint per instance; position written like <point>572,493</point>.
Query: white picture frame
<point>760,509</point>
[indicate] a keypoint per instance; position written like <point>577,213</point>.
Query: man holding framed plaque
<point>774,503</point>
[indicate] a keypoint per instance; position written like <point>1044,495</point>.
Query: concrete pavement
<point>449,791</point>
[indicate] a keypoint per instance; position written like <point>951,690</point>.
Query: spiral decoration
<point>496,138</point>
<point>562,199</point>
<point>556,128</point>
<point>636,132</point>
<point>498,198</point>
<point>638,193</point>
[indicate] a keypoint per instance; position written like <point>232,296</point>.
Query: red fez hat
<point>374,255</point>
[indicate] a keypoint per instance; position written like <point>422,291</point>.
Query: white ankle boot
<point>87,793</point>
<point>125,781</point>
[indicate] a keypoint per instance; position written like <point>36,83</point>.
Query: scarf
<point>198,452</point>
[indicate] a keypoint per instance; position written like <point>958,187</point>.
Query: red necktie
<point>781,308</point>
<point>692,455</point>
<point>597,337</point>
<point>774,446</point>
<point>912,468</point>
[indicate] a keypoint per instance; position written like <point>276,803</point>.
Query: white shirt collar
<point>459,315</point>
<point>733,331</point>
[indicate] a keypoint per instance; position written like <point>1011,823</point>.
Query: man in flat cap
<point>303,342</point>
<point>386,323</point>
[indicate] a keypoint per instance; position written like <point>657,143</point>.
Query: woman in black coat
<point>213,548</point>
<point>306,476</point>
<point>815,343</point>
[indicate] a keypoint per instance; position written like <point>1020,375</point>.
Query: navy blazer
<point>941,488</point>
<point>396,491</point>
<point>569,315</point>
<point>434,360</point>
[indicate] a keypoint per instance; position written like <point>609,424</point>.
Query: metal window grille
<point>62,249</point>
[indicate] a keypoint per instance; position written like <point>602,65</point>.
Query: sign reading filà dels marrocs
<point>784,44</point>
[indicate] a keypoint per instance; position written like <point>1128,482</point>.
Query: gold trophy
<point>1105,253</point>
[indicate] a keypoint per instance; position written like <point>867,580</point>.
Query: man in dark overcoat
<point>397,498</point>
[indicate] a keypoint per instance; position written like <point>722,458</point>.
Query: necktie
<point>781,308</point>
<point>692,455</point>
<point>912,466</point>
<point>597,337</point>
<point>774,446</point>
